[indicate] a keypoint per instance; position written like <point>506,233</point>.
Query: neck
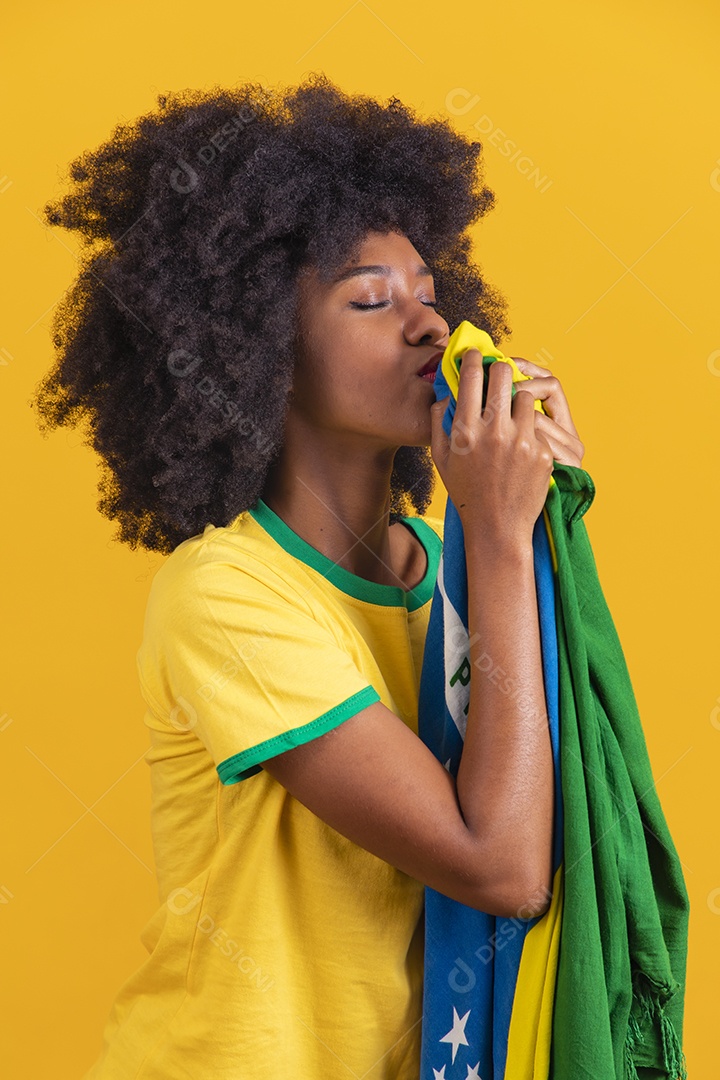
<point>336,496</point>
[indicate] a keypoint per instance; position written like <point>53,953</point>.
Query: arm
<point>505,777</point>
<point>485,841</point>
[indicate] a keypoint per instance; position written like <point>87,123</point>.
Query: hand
<point>557,427</point>
<point>496,464</point>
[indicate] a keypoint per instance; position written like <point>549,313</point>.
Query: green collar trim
<point>352,584</point>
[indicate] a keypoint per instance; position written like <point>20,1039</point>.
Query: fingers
<point>499,403</point>
<point>529,368</point>
<point>499,394</point>
<point>555,421</point>
<point>523,404</point>
<point>468,408</point>
<point>501,406</point>
<point>566,448</point>
<point>562,445</point>
<point>547,388</point>
<point>470,390</point>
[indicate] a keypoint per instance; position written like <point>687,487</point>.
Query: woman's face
<point>365,336</point>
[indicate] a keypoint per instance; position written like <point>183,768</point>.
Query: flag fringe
<point>651,1001</point>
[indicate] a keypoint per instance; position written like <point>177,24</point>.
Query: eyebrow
<point>384,271</point>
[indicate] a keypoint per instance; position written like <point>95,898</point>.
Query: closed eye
<point>366,307</point>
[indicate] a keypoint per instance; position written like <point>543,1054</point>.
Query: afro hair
<point>176,342</point>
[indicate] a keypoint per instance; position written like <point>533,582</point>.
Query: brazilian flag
<point>593,989</point>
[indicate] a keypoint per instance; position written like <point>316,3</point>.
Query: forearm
<point>505,777</point>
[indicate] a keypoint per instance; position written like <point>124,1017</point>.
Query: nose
<point>424,326</point>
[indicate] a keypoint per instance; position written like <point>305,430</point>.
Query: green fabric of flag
<point>619,993</point>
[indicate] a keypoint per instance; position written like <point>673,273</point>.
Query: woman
<point>255,344</point>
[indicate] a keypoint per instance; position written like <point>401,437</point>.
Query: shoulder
<point>226,563</point>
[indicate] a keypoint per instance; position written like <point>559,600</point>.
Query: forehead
<point>377,253</point>
<point>376,247</point>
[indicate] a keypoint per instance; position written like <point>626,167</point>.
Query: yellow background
<point>609,256</point>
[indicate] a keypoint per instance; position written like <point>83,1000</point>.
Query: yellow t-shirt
<point>280,947</point>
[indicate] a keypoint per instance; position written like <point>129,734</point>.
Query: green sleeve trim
<point>247,762</point>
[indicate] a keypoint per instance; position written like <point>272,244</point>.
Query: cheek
<point>349,374</point>
<point>334,370</point>
<point>323,384</point>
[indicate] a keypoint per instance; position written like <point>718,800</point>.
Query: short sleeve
<point>243,663</point>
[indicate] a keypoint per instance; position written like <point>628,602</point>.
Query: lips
<point>428,370</point>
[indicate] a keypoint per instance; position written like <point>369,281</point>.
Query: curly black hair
<point>176,342</point>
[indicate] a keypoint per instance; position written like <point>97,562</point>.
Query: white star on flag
<point>439,1075</point>
<point>456,1034</point>
<point>473,1074</point>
